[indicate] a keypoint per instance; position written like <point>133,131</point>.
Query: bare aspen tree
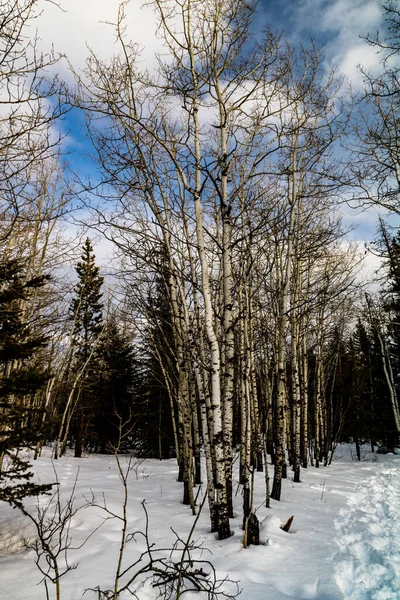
<point>25,116</point>
<point>283,307</point>
<point>311,126</point>
<point>28,107</point>
<point>295,323</point>
<point>208,72</point>
<point>38,243</point>
<point>375,146</point>
<point>219,157</point>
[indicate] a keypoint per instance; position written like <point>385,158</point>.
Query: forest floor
<point>344,541</point>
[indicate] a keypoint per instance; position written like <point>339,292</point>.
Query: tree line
<point>240,326</point>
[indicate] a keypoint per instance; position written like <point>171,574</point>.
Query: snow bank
<point>344,541</point>
<point>368,534</point>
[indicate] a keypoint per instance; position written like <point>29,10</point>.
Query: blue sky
<point>334,24</point>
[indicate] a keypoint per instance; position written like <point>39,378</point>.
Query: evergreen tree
<point>358,418</point>
<point>369,365</point>
<point>22,378</point>
<point>336,403</point>
<point>86,308</point>
<point>114,390</point>
<point>360,394</point>
<point>153,415</point>
<point>388,340</point>
<point>86,313</point>
<point>392,294</point>
<point>386,434</point>
<point>156,410</point>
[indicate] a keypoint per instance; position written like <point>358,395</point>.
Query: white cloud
<point>82,24</point>
<point>355,17</point>
<point>344,23</point>
<point>361,55</point>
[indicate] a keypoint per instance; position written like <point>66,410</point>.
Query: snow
<point>369,539</point>
<point>344,541</point>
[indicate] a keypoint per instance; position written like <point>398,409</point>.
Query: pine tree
<point>368,361</point>
<point>358,418</point>
<point>86,308</point>
<point>392,292</point>
<point>114,415</point>
<point>359,390</point>
<point>389,340</point>
<point>86,314</point>
<point>385,432</point>
<point>156,410</point>
<point>22,377</point>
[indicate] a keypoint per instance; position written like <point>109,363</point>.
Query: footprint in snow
<point>368,535</point>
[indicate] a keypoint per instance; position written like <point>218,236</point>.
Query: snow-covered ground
<point>368,534</point>
<point>344,541</point>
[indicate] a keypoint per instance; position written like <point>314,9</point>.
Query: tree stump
<point>288,524</point>
<point>252,532</point>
